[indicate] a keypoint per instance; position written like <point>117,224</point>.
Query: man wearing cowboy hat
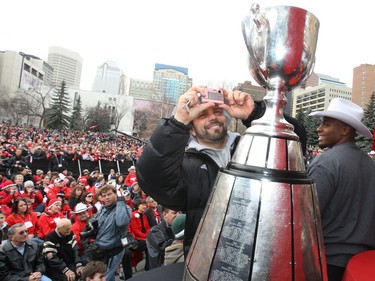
<point>81,217</point>
<point>131,177</point>
<point>345,181</point>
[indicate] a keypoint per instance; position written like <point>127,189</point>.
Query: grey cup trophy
<point>262,221</point>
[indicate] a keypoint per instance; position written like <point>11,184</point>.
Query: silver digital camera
<point>212,95</point>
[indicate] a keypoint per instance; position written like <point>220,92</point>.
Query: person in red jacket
<point>131,177</point>
<point>139,227</point>
<point>5,210</point>
<point>35,196</point>
<point>65,208</point>
<point>81,217</point>
<point>57,188</point>
<point>37,178</point>
<point>128,199</point>
<point>8,193</point>
<point>22,214</point>
<point>47,221</point>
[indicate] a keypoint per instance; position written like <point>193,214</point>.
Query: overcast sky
<point>201,35</point>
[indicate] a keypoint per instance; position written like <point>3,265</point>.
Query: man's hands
<point>238,104</point>
<point>35,276</point>
<point>188,107</point>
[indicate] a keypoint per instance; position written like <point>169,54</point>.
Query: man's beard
<point>218,135</point>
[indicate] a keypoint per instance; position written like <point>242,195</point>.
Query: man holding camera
<point>181,179</point>
<point>113,220</point>
<point>17,162</point>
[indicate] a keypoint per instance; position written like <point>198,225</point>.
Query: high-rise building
<point>170,82</point>
<point>141,89</point>
<point>363,84</point>
<point>318,98</point>
<point>67,65</point>
<point>110,79</point>
<point>20,71</point>
<point>309,87</point>
<point>326,79</point>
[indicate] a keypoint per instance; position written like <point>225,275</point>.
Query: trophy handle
<point>259,21</point>
<point>257,18</point>
<point>255,26</point>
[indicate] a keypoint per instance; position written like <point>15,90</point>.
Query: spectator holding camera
<point>182,179</point>
<point>17,162</point>
<point>8,193</point>
<point>113,221</point>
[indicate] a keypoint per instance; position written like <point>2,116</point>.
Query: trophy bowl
<point>281,42</point>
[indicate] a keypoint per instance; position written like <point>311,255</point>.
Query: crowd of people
<point>57,213</point>
<point>55,207</point>
<point>59,146</point>
<point>119,219</point>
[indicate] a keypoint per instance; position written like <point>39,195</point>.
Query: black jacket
<point>60,255</point>
<point>58,163</point>
<point>16,163</point>
<point>177,180</point>
<point>180,180</point>
<point>151,218</point>
<point>15,267</point>
<point>158,238</point>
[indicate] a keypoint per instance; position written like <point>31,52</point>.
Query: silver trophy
<point>262,220</point>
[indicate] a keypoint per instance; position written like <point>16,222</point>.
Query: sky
<point>204,36</point>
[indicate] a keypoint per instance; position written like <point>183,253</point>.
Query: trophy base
<point>262,227</point>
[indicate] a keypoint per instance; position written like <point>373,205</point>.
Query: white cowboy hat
<point>347,112</point>
<point>80,208</point>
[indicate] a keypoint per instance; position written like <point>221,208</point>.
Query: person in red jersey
<point>47,221</point>
<point>22,214</point>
